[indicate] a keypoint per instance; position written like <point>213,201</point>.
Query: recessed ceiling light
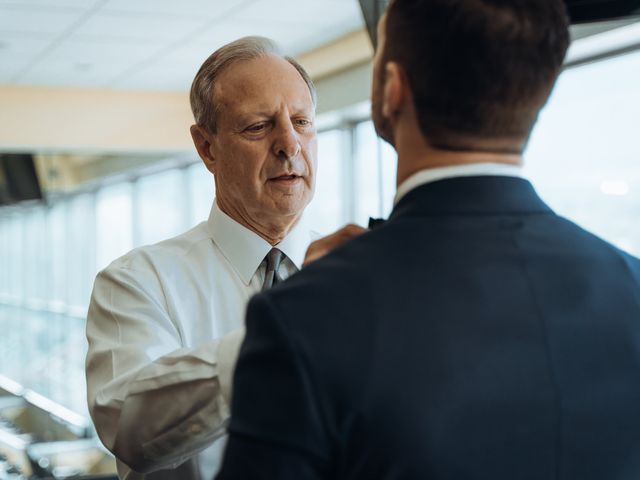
<point>614,187</point>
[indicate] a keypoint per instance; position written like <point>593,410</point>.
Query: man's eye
<point>257,128</point>
<point>303,122</point>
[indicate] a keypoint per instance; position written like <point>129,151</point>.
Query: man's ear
<point>395,90</point>
<point>202,141</point>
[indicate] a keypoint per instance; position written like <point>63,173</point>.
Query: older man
<point>164,324</point>
<point>476,334</point>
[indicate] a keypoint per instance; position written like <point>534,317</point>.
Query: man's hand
<point>320,248</point>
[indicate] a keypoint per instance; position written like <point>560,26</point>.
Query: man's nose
<point>286,144</point>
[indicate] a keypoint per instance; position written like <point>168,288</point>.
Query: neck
<point>411,164</point>
<point>273,230</point>
<point>415,154</point>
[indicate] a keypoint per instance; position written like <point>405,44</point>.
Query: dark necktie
<point>272,277</point>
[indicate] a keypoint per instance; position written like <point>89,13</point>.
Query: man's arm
<point>154,403</point>
<point>276,430</point>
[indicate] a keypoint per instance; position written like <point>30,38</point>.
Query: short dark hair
<point>478,69</point>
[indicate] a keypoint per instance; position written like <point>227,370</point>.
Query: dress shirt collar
<point>429,175</point>
<point>246,250</point>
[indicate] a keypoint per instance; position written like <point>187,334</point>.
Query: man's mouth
<point>292,178</point>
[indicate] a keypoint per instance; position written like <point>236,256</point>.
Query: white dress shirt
<point>164,327</point>
<point>429,175</point>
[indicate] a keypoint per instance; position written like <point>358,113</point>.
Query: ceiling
<point>150,44</point>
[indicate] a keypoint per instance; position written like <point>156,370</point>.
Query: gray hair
<point>203,104</point>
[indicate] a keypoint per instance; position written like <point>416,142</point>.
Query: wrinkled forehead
<point>261,84</point>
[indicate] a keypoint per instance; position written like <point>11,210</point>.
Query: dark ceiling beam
<point>372,11</point>
<point>586,11</point>
<point>580,11</point>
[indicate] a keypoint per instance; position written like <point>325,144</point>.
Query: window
<point>583,155</point>
<point>15,259</point>
<point>355,179</point>
<point>57,253</point>
<point>326,212</point>
<point>200,191</point>
<point>375,167</point>
<point>80,252</point>
<point>36,263</point>
<point>114,223</point>
<point>4,258</point>
<point>161,204</point>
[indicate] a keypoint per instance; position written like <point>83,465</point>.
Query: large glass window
<point>15,259</point>
<point>4,258</point>
<point>57,253</point>
<point>375,175</point>
<point>161,204</point>
<point>37,263</point>
<point>388,169</point>
<point>200,193</point>
<point>80,255</point>
<point>114,223</point>
<point>326,212</point>
<point>584,153</point>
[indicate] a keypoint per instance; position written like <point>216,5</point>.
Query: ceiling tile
<point>216,36</point>
<point>157,77</point>
<point>193,8</point>
<point>17,52</point>
<point>93,52</point>
<point>69,74</point>
<point>139,26</point>
<point>295,44</point>
<point>30,19</point>
<point>17,45</point>
<point>304,11</point>
<point>190,55</point>
<point>58,4</point>
<point>18,37</point>
<point>115,38</point>
<point>11,65</point>
<point>154,44</point>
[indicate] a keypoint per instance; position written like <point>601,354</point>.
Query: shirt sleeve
<point>276,428</point>
<point>154,403</point>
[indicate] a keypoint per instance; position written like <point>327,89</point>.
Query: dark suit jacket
<point>475,335</point>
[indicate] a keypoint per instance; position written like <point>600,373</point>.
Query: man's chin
<point>287,208</point>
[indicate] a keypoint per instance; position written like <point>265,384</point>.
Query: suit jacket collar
<point>429,175</point>
<point>481,195</point>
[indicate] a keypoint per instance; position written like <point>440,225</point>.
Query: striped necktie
<point>272,277</point>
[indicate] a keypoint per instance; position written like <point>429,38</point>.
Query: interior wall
<point>74,120</point>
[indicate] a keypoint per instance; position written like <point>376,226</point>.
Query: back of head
<point>478,69</point>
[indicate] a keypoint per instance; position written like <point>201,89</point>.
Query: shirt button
<point>195,429</point>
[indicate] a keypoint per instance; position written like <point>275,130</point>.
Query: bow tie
<point>375,222</point>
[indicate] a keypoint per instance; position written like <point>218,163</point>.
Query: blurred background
<point>96,159</point>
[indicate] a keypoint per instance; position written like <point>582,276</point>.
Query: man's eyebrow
<point>250,115</point>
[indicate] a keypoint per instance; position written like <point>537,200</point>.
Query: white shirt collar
<point>246,250</point>
<point>429,175</point>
